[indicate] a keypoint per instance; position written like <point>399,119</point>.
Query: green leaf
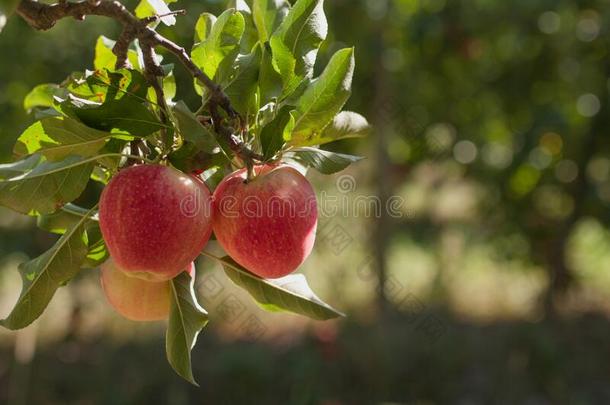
<point>217,52</point>
<point>242,82</point>
<point>42,96</point>
<point>97,252</point>
<point>69,216</point>
<point>44,275</point>
<point>6,9</point>
<point>268,14</point>
<point>106,59</point>
<point>124,107</point>
<point>14,169</point>
<point>324,98</point>
<point>324,161</point>
<point>274,134</point>
<point>64,218</point>
<point>270,81</point>
<point>46,186</point>
<point>290,293</point>
<point>56,138</point>
<point>296,41</point>
<point>250,35</point>
<point>147,8</point>
<point>186,319</point>
<point>346,124</point>
<point>189,158</point>
<point>203,26</point>
<point>191,129</point>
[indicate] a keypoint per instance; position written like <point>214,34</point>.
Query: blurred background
<point>470,250</point>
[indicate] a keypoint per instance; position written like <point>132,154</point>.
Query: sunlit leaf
<point>106,59</point>
<point>250,35</point>
<point>346,124</point>
<point>42,96</point>
<point>324,161</point>
<point>296,41</point>
<point>217,52</point>
<point>268,14</point>
<point>324,98</point>
<point>147,8</point>
<point>123,106</point>
<point>56,138</point>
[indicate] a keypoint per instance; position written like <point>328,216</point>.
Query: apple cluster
<point>156,220</point>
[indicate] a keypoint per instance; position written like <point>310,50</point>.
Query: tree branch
<point>44,16</point>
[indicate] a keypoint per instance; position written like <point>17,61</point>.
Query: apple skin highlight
<point>268,224</point>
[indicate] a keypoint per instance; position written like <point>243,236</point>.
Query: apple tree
<point>262,119</point>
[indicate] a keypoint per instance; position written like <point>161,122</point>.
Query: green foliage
<point>186,319</point>
<point>43,275</point>
<point>46,186</point>
<point>296,41</point>
<point>324,98</point>
<point>324,161</point>
<point>290,293</point>
<point>219,45</point>
<point>262,55</point>
<point>56,138</point>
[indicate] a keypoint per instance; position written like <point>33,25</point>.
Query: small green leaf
<point>64,218</point>
<point>290,293</point>
<point>44,275</point>
<point>324,161</point>
<point>56,138</point>
<point>124,106</point>
<point>186,319</point>
<point>191,130</point>
<point>242,82</point>
<point>346,124</point>
<point>106,59</point>
<point>296,41</point>
<point>147,8</point>
<point>268,15</point>
<point>42,96</point>
<point>203,27</point>
<point>270,81</point>
<point>324,98</point>
<point>97,252</point>
<point>46,186</point>
<point>250,36</point>
<point>273,136</point>
<point>217,52</point>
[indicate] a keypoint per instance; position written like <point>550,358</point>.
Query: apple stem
<point>250,168</point>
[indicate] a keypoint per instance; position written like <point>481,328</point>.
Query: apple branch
<point>43,17</point>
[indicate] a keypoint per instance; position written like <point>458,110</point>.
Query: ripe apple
<point>155,220</point>
<point>135,298</point>
<point>267,224</point>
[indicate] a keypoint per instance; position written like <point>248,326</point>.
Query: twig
<point>44,16</point>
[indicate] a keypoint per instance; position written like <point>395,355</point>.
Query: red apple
<point>155,220</point>
<point>135,298</point>
<point>268,224</point>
